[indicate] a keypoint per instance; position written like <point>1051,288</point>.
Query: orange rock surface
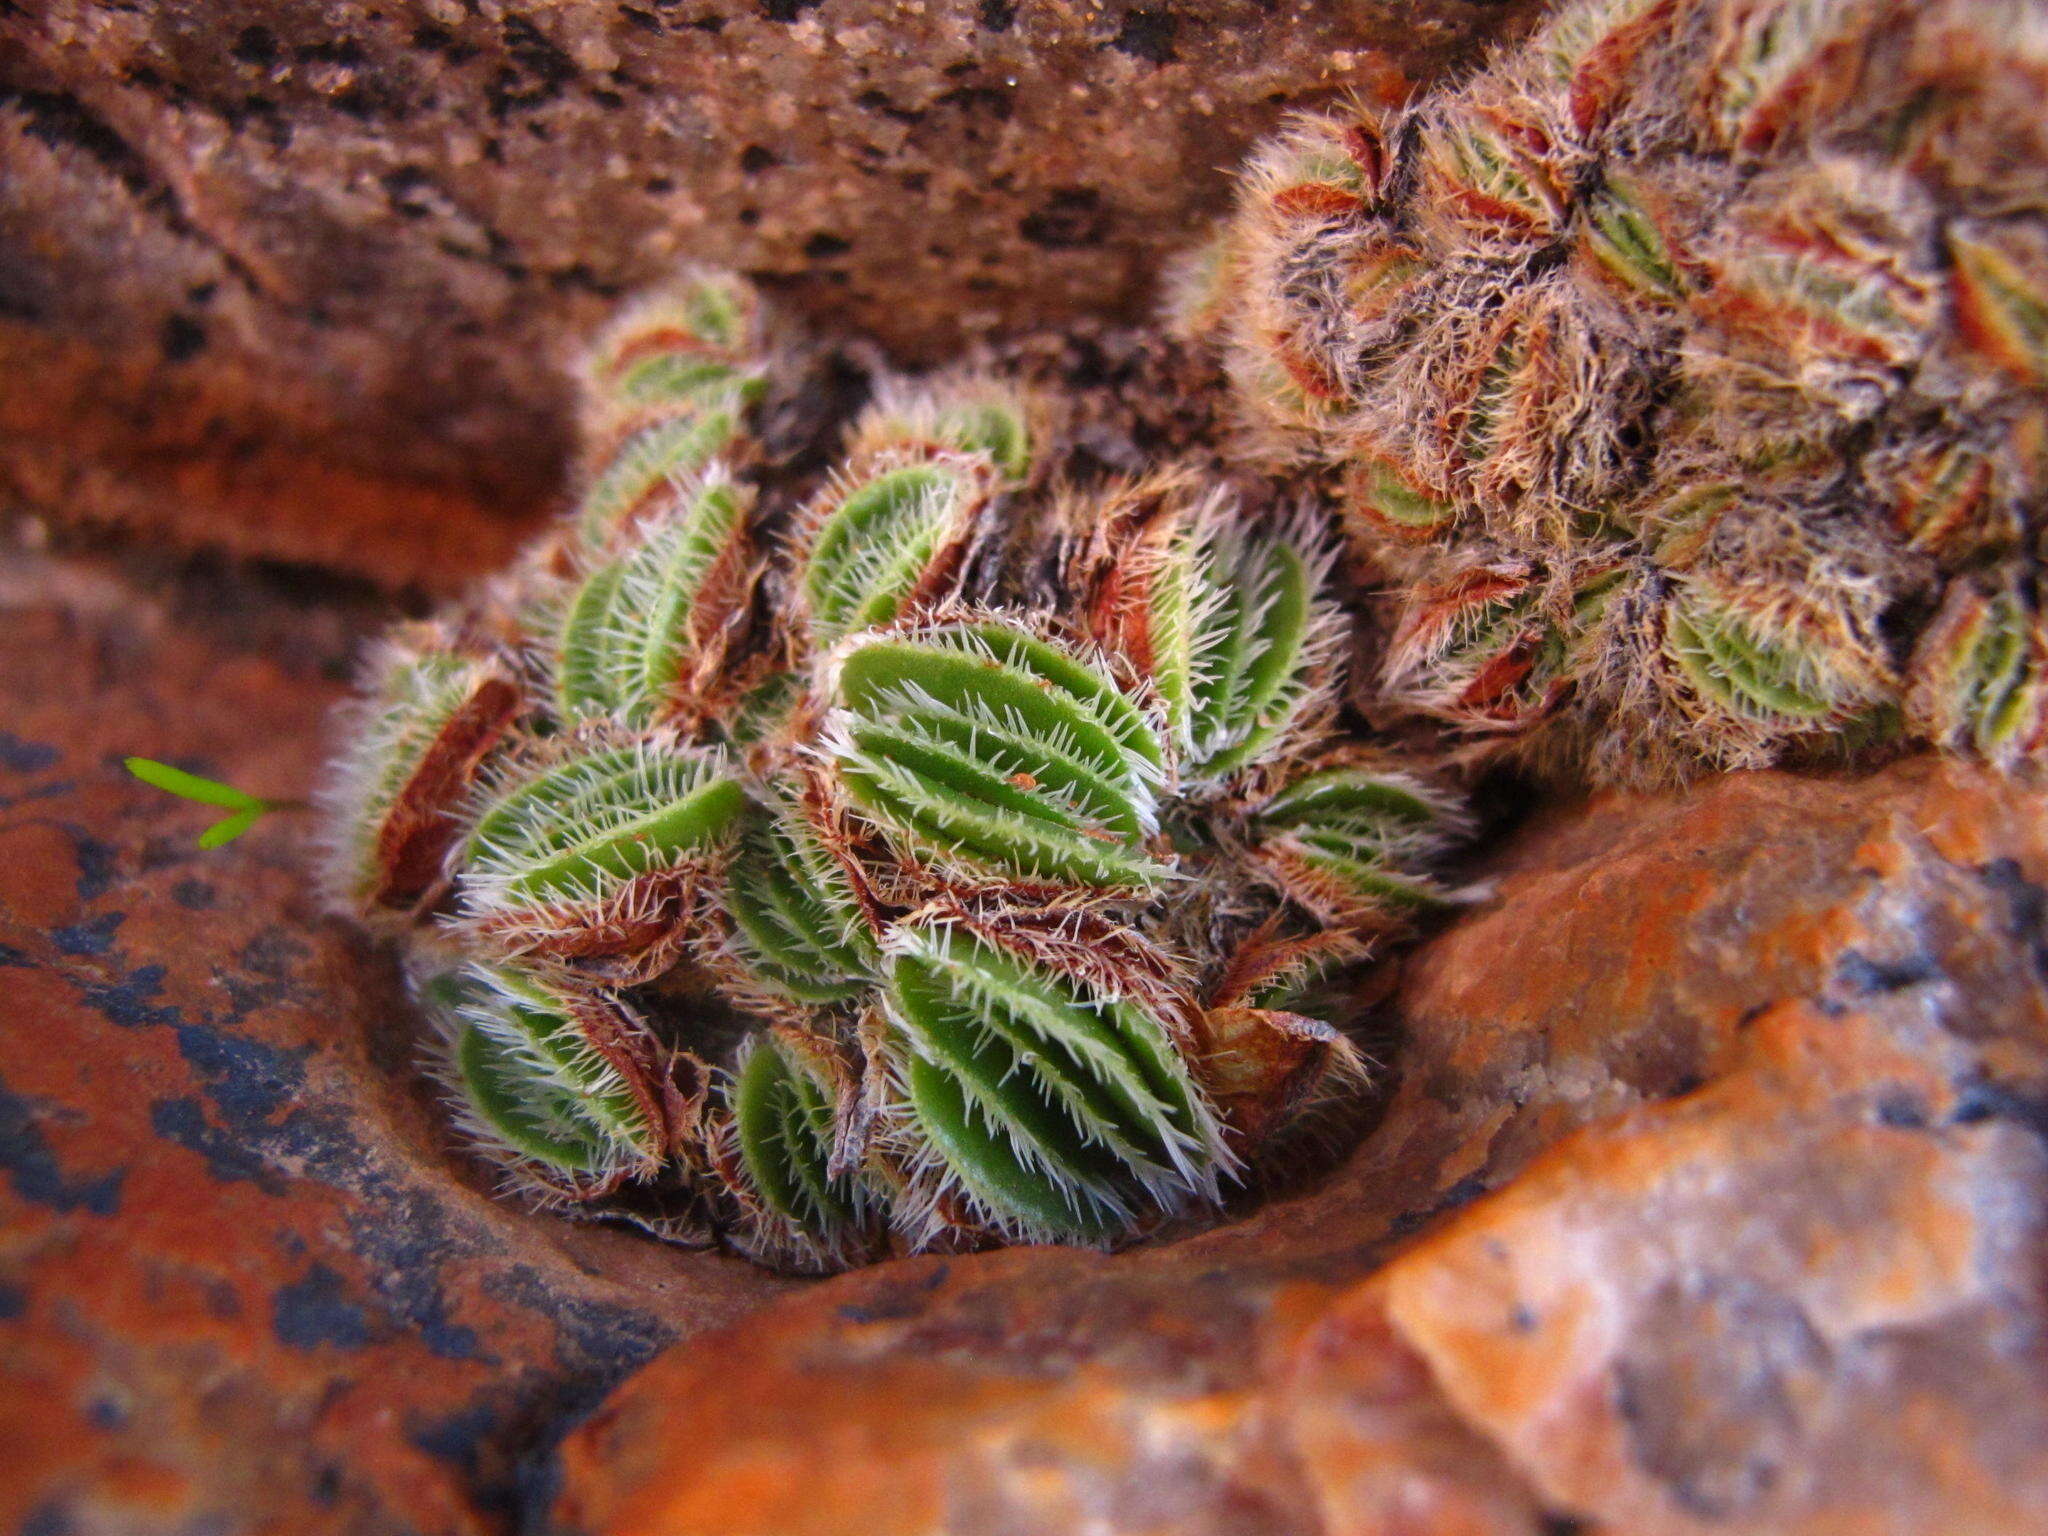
<point>1710,1199</point>
<point>243,1285</point>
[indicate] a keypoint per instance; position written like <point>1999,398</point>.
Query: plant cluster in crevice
<point>965,849</point>
<point>950,857</point>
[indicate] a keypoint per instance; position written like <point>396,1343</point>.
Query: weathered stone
<point>301,283</point>
<point>243,1284</point>
<point>1782,1303</point>
<point>1710,1197</point>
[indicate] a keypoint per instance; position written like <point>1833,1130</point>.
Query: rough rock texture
<point>299,281</point>
<point>243,1286</point>
<point>1709,1192</point>
<point>1711,1198</point>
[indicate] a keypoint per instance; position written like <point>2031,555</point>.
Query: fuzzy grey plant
<point>1674,371</point>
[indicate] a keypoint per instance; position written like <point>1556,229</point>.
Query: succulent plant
<point>1746,299</point>
<point>556,1078</point>
<point>932,861</point>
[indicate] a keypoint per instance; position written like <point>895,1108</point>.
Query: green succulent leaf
<point>228,828</point>
<point>1353,843</point>
<point>1062,1111</point>
<point>797,929</point>
<point>1727,661</point>
<point>247,808</point>
<point>702,319</point>
<point>545,1076</point>
<point>879,542</point>
<point>717,309</point>
<point>1389,805</point>
<point>1382,495</point>
<point>1855,306</point>
<point>991,750</point>
<point>1471,163</point>
<point>1485,412</point>
<point>1258,632</point>
<point>634,631</point>
<point>1944,503</point>
<point>1761,70</point>
<point>672,379</point>
<point>783,1115</point>
<point>970,416</point>
<point>580,830</point>
<point>764,710</point>
<point>1468,647</point>
<point>2003,304</point>
<point>2001,674</point>
<point>1980,676</point>
<point>1233,633</point>
<point>998,428</point>
<point>1623,236</point>
<point>533,1118</point>
<point>655,457</point>
<point>414,739</point>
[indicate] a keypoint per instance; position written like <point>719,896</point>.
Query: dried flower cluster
<point>939,861</point>
<point>1687,369</point>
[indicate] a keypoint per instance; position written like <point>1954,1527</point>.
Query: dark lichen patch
<point>1902,1111</point>
<point>316,1311</point>
<point>1875,977</point>
<point>1073,218</point>
<point>979,101</point>
<point>2026,907</point>
<point>405,1243</point>
<point>438,40</point>
<point>472,1440</point>
<point>254,45</point>
<point>1147,35</point>
<point>126,1003</point>
<point>182,338</point>
<point>98,864</point>
<point>1459,1195</point>
<point>1996,1101</point>
<point>182,1121</point>
<point>61,121</point>
<point>92,936</point>
<point>38,1177</point>
<point>194,895</point>
<point>538,72</point>
<point>248,1080</point>
<point>598,1339</point>
<point>900,1302</point>
<point>19,756</point>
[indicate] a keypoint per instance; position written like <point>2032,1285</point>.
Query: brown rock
<point>243,1285</point>
<point>1709,1198</point>
<point>301,283</point>
<point>1779,1304</point>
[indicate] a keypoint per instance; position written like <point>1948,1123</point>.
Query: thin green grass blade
<point>190,786</point>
